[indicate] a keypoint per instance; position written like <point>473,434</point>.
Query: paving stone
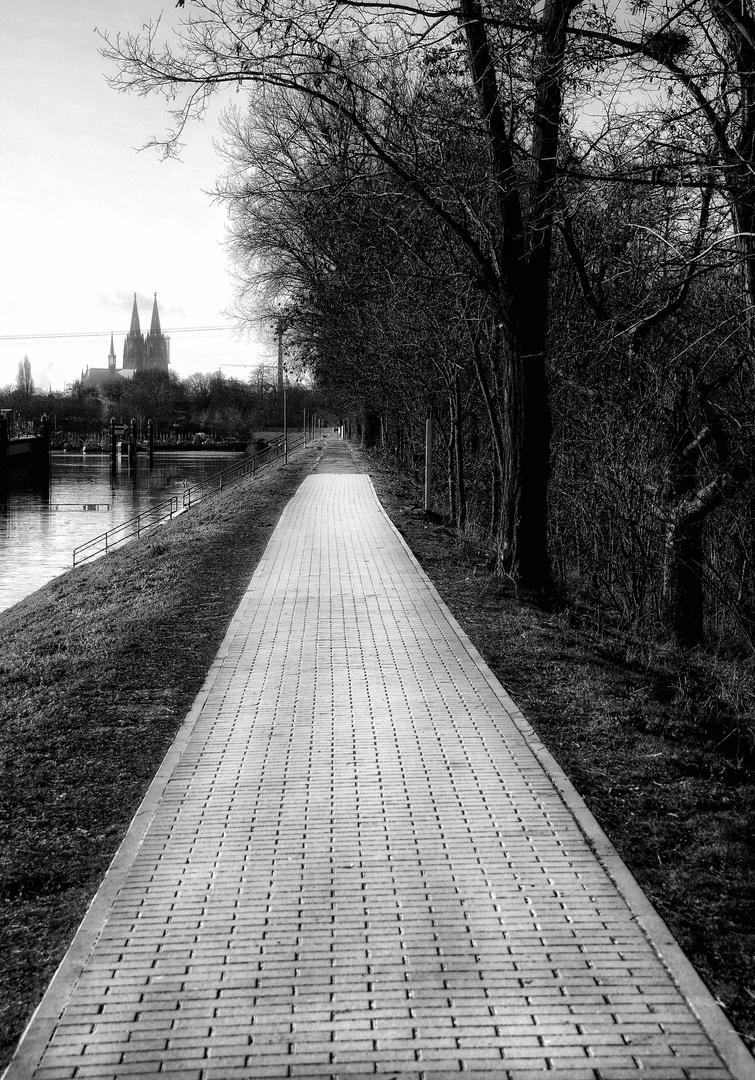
<point>357,864</point>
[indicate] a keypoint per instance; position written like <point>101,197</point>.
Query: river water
<point>39,528</point>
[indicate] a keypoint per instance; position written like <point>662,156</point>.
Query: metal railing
<point>165,511</point>
<point>127,530</point>
<point>217,481</point>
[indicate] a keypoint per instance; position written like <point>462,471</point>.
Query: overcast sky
<point>86,221</point>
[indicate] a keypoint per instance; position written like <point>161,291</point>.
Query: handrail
<point>135,526</point>
<point>217,481</point>
<point>127,530</point>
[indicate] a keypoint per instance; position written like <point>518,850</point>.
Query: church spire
<point>155,326</point>
<point>133,346</point>
<point>135,328</point>
<point>111,354</point>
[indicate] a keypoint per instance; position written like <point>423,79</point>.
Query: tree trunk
<point>495,500</point>
<point>521,262</point>
<point>683,581</point>
<point>453,505</point>
<point>525,471</point>
<point>683,598</point>
<point>372,427</point>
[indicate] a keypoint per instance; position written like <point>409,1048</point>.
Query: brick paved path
<point>355,864</point>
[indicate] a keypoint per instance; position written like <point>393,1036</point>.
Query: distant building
<point>149,352</point>
<point>145,353</point>
<point>97,376</point>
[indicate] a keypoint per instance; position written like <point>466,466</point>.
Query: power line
<point>107,333</point>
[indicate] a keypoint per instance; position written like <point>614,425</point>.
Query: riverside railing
<point>127,530</point>
<point>219,480</point>
<point>178,504</point>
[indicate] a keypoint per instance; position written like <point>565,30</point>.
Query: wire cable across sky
<point>107,333</point>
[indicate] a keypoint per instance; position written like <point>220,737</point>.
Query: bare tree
<point>688,139</point>
<point>335,53</point>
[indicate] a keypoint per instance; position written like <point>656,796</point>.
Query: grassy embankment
<point>99,668</point>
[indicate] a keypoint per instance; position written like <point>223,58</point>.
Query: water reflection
<point>40,526</point>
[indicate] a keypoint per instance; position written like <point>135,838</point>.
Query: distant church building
<point>150,352</point>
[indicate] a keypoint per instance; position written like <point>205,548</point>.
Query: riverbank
<point>99,668</point>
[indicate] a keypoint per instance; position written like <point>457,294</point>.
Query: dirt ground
<point>99,668</point>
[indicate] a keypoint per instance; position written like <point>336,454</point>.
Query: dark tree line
<point>219,407</point>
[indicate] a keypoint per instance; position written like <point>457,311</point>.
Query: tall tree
<point>689,69</point>
<point>335,53</point>
<point>24,380</point>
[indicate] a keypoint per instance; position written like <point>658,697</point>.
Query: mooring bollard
<point>113,447</point>
<point>3,450</point>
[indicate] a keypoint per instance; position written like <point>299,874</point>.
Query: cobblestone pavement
<point>353,863</point>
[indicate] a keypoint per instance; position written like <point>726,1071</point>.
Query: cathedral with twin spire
<point>141,352</point>
<point>148,352</point>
